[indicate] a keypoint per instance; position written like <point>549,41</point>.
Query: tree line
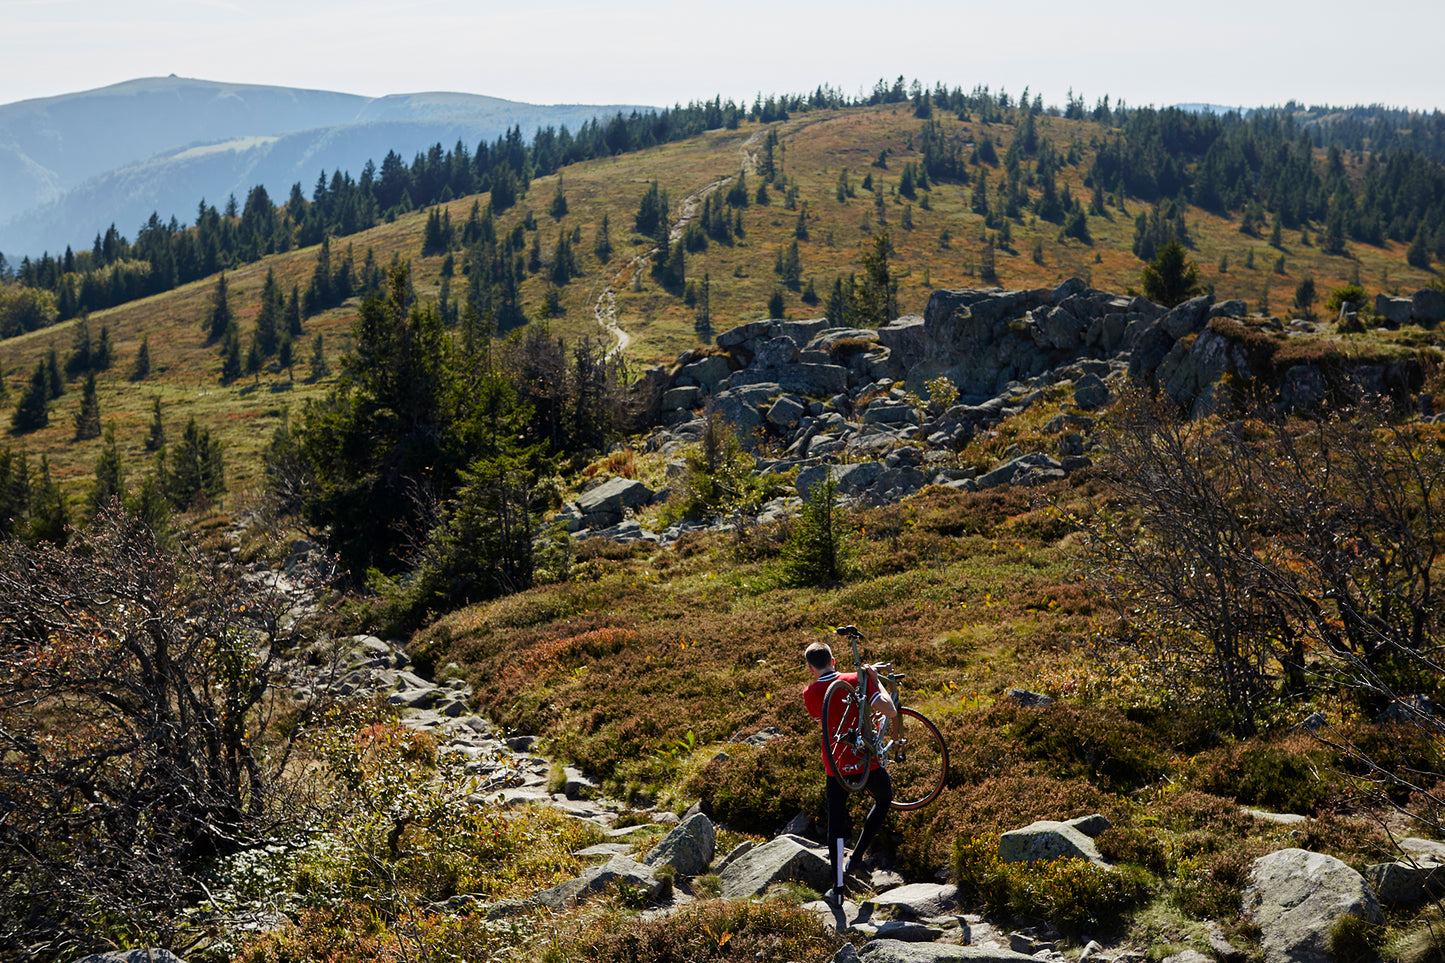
<point>1391,186</point>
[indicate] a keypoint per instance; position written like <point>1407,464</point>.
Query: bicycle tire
<point>917,761</point>
<point>843,741</point>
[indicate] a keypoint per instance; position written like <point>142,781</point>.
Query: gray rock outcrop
<point>1295,896</point>
<point>779,860</point>
<point>688,848</point>
<point>1045,840</point>
<point>897,951</point>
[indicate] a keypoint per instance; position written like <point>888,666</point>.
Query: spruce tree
<point>33,411</point>
<point>602,244</point>
<point>231,357</point>
<point>142,366</point>
<point>109,475</point>
<point>49,513</point>
<point>220,320</point>
<point>87,419</point>
<point>156,437</point>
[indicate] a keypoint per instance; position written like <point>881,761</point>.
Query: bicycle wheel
<point>917,760</point>
<point>843,739</point>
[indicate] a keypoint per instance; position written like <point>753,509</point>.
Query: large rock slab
<point>606,503</point>
<point>688,848</point>
<point>918,900</point>
<point>619,871</point>
<point>1409,881</point>
<point>897,951</point>
<point>1296,896</point>
<point>1046,840</point>
<point>776,861</point>
<point>1427,306</point>
<point>133,956</point>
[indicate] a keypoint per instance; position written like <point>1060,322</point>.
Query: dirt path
<point>604,306</point>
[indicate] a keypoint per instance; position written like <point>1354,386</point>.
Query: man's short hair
<point>819,655</point>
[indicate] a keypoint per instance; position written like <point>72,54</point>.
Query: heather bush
<point>1288,775</point>
<point>1072,894</point>
<point>721,931</point>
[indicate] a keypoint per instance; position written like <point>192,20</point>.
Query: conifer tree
<point>33,411</point>
<point>87,419</point>
<point>220,320</point>
<point>109,475</point>
<point>49,513</point>
<point>156,437</point>
<point>231,357</point>
<point>318,365</point>
<point>602,244</point>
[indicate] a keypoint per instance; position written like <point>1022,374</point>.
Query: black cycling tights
<point>880,787</point>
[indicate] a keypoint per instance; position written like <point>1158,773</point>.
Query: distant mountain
<point>72,165</point>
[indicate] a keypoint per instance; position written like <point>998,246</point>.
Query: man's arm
<point>881,701</point>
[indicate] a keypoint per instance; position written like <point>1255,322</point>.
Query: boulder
<point>619,871</point>
<point>779,860</point>
<point>1090,392</point>
<point>786,412</point>
<point>918,900</point>
<point>898,951</point>
<point>1059,330</point>
<point>688,848</point>
<point>1047,840</point>
<point>1010,472</point>
<point>1296,896</point>
<point>1427,306</point>
<point>775,352</point>
<point>705,374</point>
<point>1394,311</point>
<point>606,503</point>
<point>676,399</point>
<point>1187,318</point>
<point>156,955</point>
<point>1233,308</point>
<point>1409,881</point>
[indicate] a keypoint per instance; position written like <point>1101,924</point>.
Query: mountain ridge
<point>73,163</point>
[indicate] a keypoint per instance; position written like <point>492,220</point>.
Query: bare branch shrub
<point>141,733</point>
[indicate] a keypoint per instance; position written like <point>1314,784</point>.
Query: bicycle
<point>915,756</point>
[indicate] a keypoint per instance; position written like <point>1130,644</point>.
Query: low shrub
<point>1072,894</point>
<point>1289,775</point>
<point>718,930</point>
<point>758,791</point>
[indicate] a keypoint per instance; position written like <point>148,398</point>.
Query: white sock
<point>838,861</point>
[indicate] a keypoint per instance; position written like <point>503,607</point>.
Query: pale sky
<point>1231,52</point>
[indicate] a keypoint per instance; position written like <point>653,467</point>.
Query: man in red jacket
<point>819,657</point>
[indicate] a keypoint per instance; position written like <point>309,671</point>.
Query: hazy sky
<point>1235,52</point>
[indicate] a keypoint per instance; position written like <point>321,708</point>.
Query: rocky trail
<point>1295,896</point>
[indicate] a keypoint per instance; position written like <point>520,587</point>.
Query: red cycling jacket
<point>847,759</point>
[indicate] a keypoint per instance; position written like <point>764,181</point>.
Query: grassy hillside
<point>942,248</point>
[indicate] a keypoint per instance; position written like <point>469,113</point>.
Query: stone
<point>577,785</point>
<point>1296,896</point>
<point>918,900</point>
<point>1393,311</point>
<point>1408,881</point>
<point>1233,308</point>
<point>1090,392</point>
<point>1030,700</point>
<point>1047,840</point>
<point>706,373</point>
<point>897,951</point>
<point>611,499</point>
<point>1006,473</point>
<point>1427,306</point>
<point>688,848</point>
<point>775,352</point>
<point>681,398</point>
<point>1187,318</point>
<point>786,412</point>
<point>1092,826</point>
<point>778,860</point>
<point>619,871</point>
<point>156,955</point>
